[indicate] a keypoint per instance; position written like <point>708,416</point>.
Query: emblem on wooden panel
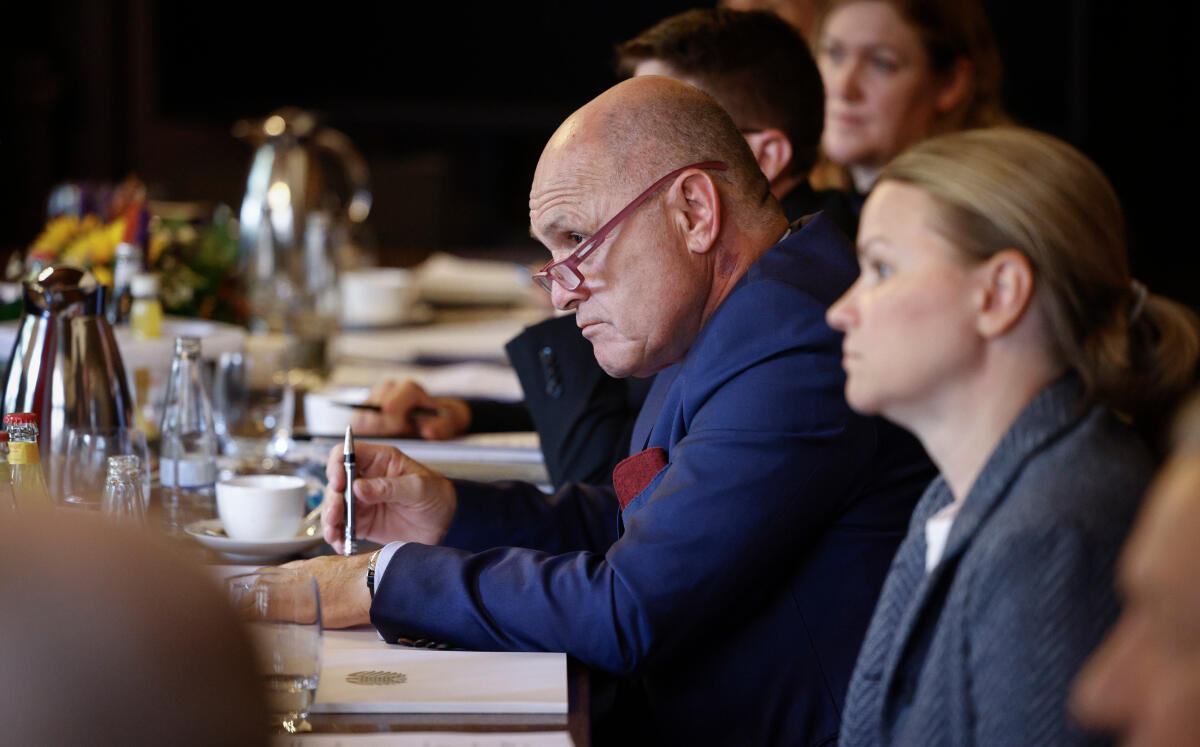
<point>376,677</point>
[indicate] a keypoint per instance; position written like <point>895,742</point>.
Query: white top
<point>937,531</point>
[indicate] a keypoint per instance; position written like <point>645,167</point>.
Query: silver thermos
<point>65,365</point>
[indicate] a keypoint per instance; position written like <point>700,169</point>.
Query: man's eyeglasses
<point>566,272</point>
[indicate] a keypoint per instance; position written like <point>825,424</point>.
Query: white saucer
<point>211,534</point>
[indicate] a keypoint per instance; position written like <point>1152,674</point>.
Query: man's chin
<point>616,371</point>
<point>613,365</point>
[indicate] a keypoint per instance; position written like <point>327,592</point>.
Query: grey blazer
<point>982,649</point>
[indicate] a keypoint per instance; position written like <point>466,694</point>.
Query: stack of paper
<point>481,456</point>
<point>429,739</point>
<point>362,674</point>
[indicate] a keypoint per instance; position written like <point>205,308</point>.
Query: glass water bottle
<point>188,441</point>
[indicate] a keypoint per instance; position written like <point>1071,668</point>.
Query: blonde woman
<point>995,318</point>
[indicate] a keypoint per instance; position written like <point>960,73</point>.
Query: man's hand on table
<point>342,586</point>
<point>408,410</point>
<point>395,498</point>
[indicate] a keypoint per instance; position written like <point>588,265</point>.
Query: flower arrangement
<point>196,260</point>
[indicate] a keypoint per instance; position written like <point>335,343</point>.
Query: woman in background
<point>896,72</point>
<point>995,318</point>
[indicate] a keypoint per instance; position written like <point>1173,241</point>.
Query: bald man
<point>729,574</point>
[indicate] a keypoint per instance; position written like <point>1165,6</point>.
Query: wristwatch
<point>371,572</point>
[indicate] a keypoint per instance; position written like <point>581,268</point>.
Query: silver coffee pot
<point>290,215</point>
<point>65,365</point>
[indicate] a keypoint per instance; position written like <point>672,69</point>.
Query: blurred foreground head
<point>1143,683</point>
<point>106,638</point>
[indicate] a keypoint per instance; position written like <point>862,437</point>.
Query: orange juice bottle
<point>28,483</point>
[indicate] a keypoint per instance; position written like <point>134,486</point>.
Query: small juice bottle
<point>28,483</point>
<point>145,315</point>
<point>7,504</point>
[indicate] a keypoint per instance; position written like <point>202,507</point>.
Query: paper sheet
<point>445,278</point>
<point>361,674</point>
<point>482,380</point>
<point>430,739</point>
<point>483,456</point>
<point>478,340</point>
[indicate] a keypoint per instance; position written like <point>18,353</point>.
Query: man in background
<point>761,72</point>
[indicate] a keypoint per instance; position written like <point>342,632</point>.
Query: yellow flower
<point>96,245</point>
<point>106,248</point>
<point>103,274</point>
<point>58,232</point>
<point>158,242</point>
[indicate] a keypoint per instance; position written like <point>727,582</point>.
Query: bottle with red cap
<point>28,483</point>
<point>6,491</point>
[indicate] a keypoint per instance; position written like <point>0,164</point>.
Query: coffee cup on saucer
<point>261,508</point>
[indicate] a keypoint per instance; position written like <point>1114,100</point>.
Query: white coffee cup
<point>377,297</point>
<point>261,508</point>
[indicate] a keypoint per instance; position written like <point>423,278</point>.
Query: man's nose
<point>567,300</point>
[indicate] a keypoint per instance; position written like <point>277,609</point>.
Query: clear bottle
<point>28,483</point>
<point>7,504</point>
<point>122,502</point>
<point>145,313</point>
<point>128,264</point>
<point>188,442</point>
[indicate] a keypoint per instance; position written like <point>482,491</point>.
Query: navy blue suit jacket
<point>738,584</point>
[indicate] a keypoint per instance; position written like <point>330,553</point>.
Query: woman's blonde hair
<point>1014,188</point>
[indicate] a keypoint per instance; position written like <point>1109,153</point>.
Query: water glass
<point>282,612</point>
<point>85,464</point>
<point>122,502</point>
<point>250,403</point>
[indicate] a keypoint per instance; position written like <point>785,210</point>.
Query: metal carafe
<point>291,214</point>
<point>65,365</point>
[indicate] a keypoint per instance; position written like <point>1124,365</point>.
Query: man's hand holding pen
<point>396,498</point>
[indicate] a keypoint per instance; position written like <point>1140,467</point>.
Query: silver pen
<point>348,544</point>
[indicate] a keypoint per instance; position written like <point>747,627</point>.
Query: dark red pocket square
<point>633,474</point>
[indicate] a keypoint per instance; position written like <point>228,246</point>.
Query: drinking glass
<point>123,502</point>
<point>250,404</point>
<point>85,465</point>
<point>282,613</point>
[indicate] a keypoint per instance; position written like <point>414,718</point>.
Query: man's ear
<point>772,150</point>
<point>955,85</point>
<point>695,204</point>
<point>1004,292</point>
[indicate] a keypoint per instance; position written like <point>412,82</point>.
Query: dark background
<point>451,103</point>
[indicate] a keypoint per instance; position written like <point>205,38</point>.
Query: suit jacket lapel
<point>649,413</point>
<point>1054,410</point>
